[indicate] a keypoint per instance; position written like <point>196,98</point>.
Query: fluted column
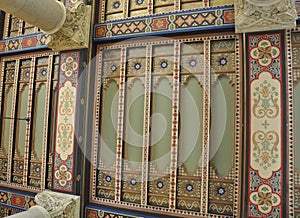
<point>48,15</point>
<point>68,28</point>
<point>33,212</point>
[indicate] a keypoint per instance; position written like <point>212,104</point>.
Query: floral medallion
<point>265,52</point>
<point>264,199</point>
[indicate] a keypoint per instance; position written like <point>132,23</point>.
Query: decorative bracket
<point>263,15</point>
<point>59,204</point>
<point>74,33</point>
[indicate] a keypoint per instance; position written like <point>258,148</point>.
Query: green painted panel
<point>22,112</point>
<point>161,120</point>
<point>135,122</point>
<point>191,125</point>
<point>297,124</point>
<point>7,113</point>
<point>39,120</point>
<point>222,125</point>
<point>109,124</point>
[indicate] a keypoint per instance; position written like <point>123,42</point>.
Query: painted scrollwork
<point>258,15</point>
<point>265,150</point>
<point>265,101</point>
<point>74,34</point>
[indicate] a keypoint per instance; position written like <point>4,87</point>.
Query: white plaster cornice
<point>59,204</point>
<point>263,15</point>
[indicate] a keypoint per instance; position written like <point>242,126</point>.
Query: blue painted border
<point>17,192</point>
<point>23,36</point>
<point>135,35</point>
<point>24,50</point>
<point>120,212</point>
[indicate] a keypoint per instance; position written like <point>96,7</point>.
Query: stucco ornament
<point>74,33</point>
<point>59,205</point>
<point>263,15</point>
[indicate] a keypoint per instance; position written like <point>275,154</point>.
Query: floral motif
<point>113,68</point>
<point>164,64</point>
<point>69,66</point>
<point>12,75</point>
<point>221,191</point>
<point>223,61</point>
<point>44,72</point>
<point>193,63</point>
<point>37,170</point>
<point>139,2</point>
<point>265,52</point>
<point>108,178</point>
<point>63,175</point>
<point>133,182</point>
<point>20,166</point>
<point>27,74</point>
<point>265,149</point>
<point>137,66</point>
<point>189,187</point>
<point>160,184</point>
<point>116,4</point>
<point>264,199</point>
<point>265,101</point>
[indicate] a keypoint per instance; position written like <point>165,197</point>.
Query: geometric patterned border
<point>291,148</point>
<point>23,43</point>
<point>63,177</point>
<point>91,212</point>
<point>193,20</point>
<point>265,118</point>
<point>19,201</point>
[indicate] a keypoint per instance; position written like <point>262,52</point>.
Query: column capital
<point>74,33</point>
<point>264,15</point>
<point>59,204</point>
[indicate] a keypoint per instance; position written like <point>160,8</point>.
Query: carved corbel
<point>74,33</point>
<point>264,15</point>
<point>59,205</point>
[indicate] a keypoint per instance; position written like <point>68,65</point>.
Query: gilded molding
<point>74,33</point>
<point>263,15</point>
<point>59,204</point>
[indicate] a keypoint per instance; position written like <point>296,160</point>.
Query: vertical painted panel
<point>133,138</point>
<point>39,121</point>
<point>109,124</point>
<point>64,167</point>
<point>7,108</point>
<point>134,123</point>
<point>161,121</point>
<point>191,128</point>
<point>265,82</point>
<point>222,134</point>
<point>190,148</point>
<point>161,125</point>
<point>21,124</point>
